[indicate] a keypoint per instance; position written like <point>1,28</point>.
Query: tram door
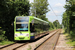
<point>32,31</point>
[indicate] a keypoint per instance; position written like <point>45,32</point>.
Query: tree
<point>51,25</point>
<point>65,21</point>
<point>69,18</point>
<point>57,24</point>
<point>40,7</point>
<point>9,9</point>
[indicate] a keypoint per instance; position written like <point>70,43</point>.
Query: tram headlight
<point>16,35</point>
<point>27,34</point>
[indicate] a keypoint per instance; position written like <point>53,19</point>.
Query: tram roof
<point>39,19</point>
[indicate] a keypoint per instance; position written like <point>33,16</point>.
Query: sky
<point>58,9</point>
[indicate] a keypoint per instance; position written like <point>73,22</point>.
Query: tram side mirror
<point>12,24</point>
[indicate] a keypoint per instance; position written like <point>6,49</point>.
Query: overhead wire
<point>52,9</point>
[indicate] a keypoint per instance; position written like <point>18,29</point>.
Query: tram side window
<point>32,28</point>
<point>36,27</point>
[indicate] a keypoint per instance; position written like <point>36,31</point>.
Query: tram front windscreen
<point>22,23</point>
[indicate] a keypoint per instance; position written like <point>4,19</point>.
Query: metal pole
<point>35,7</point>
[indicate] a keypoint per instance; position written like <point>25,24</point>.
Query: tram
<point>28,27</point>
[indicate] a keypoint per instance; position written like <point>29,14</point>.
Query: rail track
<point>49,43</point>
<point>44,34</point>
<point>7,45</point>
<point>13,46</point>
<point>16,45</point>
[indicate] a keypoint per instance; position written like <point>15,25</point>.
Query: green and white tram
<point>28,27</point>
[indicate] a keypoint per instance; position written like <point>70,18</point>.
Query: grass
<point>29,48</point>
<point>71,43</point>
<point>70,39</point>
<point>52,44</point>
<point>37,44</point>
<point>5,42</point>
<point>0,27</point>
<point>3,39</point>
<point>51,29</point>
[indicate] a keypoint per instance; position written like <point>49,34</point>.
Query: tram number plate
<point>21,34</point>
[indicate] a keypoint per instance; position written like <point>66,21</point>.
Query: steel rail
<point>46,40</point>
<point>7,45</point>
<point>56,41</point>
<point>20,46</point>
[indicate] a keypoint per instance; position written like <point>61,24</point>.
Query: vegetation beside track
<point>3,39</point>
<point>71,40</point>
<point>6,42</point>
<point>68,21</point>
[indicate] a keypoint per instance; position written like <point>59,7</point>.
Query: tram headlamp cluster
<point>16,35</point>
<point>24,34</point>
<point>27,34</point>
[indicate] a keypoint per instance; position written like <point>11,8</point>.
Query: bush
<point>2,37</point>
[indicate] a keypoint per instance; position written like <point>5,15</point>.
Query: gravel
<point>61,45</point>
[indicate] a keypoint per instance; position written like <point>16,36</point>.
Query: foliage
<point>57,24</point>
<point>65,22</point>
<point>40,6</point>
<point>71,40</point>
<point>69,19</point>
<point>8,10</point>
<point>2,35</point>
<point>69,16</point>
<point>51,26</point>
<point>6,42</point>
<point>29,48</point>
